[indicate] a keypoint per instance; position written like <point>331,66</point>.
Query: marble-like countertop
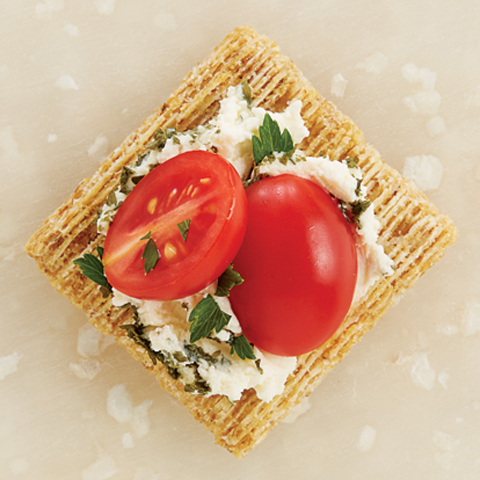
<point>77,77</point>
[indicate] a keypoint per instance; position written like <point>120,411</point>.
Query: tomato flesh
<point>198,186</point>
<point>299,265</point>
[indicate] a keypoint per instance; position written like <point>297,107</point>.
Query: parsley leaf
<point>205,317</point>
<point>242,347</point>
<point>184,228</point>
<point>270,140</point>
<point>92,268</point>
<point>227,281</point>
<point>150,253</point>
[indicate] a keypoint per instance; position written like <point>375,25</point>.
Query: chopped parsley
<point>271,140</point>
<point>150,253</point>
<point>184,227</point>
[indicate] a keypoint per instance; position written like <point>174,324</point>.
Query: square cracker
<point>414,234</point>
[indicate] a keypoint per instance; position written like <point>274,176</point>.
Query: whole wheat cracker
<point>413,233</point>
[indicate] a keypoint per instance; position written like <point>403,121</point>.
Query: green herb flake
<point>184,228</point>
<point>205,317</point>
<point>271,140</point>
<point>150,253</point>
<point>227,281</point>
<point>247,93</point>
<point>358,208</point>
<point>242,347</point>
<point>92,268</point>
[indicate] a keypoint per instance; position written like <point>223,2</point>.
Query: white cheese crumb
<point>104,7</point>
<point>436,126</point>
<point>102,469</point>
<point>145,473</point>
<point>443,379</point>
<point>165,21</point>
<point>448,329</point>
<point>339,85</point>
<point>88,341</point>
<point>140,421</point>
<point>422,374</point>
<point>9,364</point>
<point>470,323</point>
<point>86,369</point>
<point>119,403</point>
<point>298,410</point>
<point>445,443</point>
<point>46,9</point>
<point>425,171</point>
<point>424,76</point>
<point>72,30</point>
<point>367,438</point>
<point>473,98</point>
<point>19,466</point>
<point>66,82</point>
<point>127,440</point>
<point>423,102</point>
<point>100,145</point>
<point>52,137</point>
<point>375,63</point>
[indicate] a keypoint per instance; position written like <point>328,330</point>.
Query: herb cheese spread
<point>210,366</point>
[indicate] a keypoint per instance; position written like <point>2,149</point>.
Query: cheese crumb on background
<point>425,171</point>
<point>102,469</point>
<point>9,364</point>
<point>66,82</point>
<point>119,403</point>
<point>367,438</point>
<point>375,63</point>
<point>339,85</point>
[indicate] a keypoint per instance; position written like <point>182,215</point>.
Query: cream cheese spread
<point>207,367</point>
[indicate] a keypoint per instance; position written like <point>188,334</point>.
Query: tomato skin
<point>199,186</point>
<point>299,265</point>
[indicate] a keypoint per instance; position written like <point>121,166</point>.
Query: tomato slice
<point>299,265</point>
<point>198,186</point>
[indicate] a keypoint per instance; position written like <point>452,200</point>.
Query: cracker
<point>414,234</point>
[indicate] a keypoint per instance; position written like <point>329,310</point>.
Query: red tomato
<point>299,265</point>
<point>198,186</point>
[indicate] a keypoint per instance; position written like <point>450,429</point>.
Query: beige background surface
<point>76,77</point>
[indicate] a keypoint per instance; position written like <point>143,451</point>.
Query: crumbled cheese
<point>443,379</point>
<point>165,21</point>
<point>145,473</point>
<point>436,126</point>
<point>119,404</point>
<point>367,438</point>
<point>104,7</point>
<point>103,469</point>
<point>19,466</point>
<point>423,102</point>
<point>100,145</point>
<point>9,364</point>
<point>140,421</point>
<point>298,410</point>
<point>422,374</point>
<point>46,9</point>
<point>66,82</point>
<point>86,369</point>
<point>127,440</point>
<point>413,74</point>
<point>425,171</point>
<point>470,323</point>
<point>88,341</point>
<point>338,86</point>
<point>72,30</point>
<point>375,63</point>
<point>52,137</point>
